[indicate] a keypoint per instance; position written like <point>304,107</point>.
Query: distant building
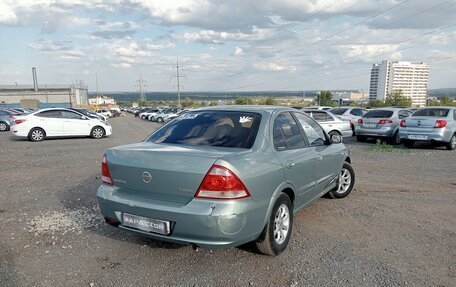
<point>44,96</point>
<point>15,96</point>
<point>101,101</point>
<point>411,78</point>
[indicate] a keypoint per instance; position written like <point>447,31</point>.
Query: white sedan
<point>58,122</point>
<point>330,123</point>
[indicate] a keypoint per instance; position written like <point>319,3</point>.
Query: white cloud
<point>274,67</point>
<point>238,51</point>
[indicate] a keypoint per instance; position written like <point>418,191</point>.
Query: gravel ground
<point>397,228</point>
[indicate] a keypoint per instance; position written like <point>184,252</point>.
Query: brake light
<point>403,123</point>
<point>16,122</point>
<point>360,121</point>
<point>440,124</point>
<point>382,122</point>
<point>221,183</point>
<point>105,174</point>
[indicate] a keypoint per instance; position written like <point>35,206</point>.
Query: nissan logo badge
<point>146,177</point>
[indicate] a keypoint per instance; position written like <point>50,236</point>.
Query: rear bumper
<point>442,135</point>
<point>19,131</point>
<point>206,223</point>
<point>387,132</point>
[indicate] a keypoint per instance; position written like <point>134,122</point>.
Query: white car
<point>57,122</point>
<point>105,113</point>
<point>160,117</point>
<point>352,114</point>
<point>330,123</point>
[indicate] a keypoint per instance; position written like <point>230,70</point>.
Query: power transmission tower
<point>141,84</point>
<point>177,76</point>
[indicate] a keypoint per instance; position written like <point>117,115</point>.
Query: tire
<point>452,144</point>
<point>277,232</point>
<point>361,138</point>
<point>395,140</point>
<point>37,134</point>
<point>4,127</point>
<point>334,133</point>
<point>97,132</point>
<point>159,120</point>
<point>346,182</point>
<point>409,143</point>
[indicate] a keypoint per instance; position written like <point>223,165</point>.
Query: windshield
<point>210,128</point>
<point>432,112</point>
<point>379,114</point>
<point>338,111</point>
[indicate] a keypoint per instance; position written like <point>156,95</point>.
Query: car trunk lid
<point>162,171</point>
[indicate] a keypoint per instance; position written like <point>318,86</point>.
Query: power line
<point>362,21</point>
<point>141,84</point>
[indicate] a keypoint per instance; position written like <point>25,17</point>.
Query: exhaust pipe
<point>35,80</point>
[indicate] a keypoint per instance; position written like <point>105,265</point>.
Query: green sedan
<point>220,177</point>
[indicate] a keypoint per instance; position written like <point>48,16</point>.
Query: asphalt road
<point>397,228</point>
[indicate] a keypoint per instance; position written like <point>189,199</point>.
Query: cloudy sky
<point>235,45</point>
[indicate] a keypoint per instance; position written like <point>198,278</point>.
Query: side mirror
<point>335,139</point>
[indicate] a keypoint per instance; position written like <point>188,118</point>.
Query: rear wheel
<point>409,143</point>
<point>3,126</point>
<point>395,140</point>
<point>97,132</point>
<point>452,144</point>
<point>345,182</point>
<point>36,135</point>
<point>276,234</point>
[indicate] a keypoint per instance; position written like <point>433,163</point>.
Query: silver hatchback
<point>434,124</point>
<point>381,123</point>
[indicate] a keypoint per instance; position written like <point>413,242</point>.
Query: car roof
<point>247,108</point>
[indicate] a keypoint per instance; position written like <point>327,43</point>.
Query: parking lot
<point>396,228</point>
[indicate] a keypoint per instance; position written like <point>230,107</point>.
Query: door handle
<point>320,157</point>
<point>290,164</point>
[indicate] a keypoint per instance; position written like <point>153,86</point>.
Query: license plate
<point>146,224</point>
<point>417,137</point>
<point>370,125</point>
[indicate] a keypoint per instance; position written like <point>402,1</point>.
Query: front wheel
<point>276,234</point>
<point>97,132</point>
<point>345,182</point>
<point>159,120</point>
<point>452,144</point>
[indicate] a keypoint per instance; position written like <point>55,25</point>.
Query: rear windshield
<point>338,111</point>
<point>379,114</point>
<point>211,128</point>
<point>432,112</point>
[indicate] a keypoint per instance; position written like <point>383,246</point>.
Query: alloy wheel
<point>344,180</point>
<point>281,224</point>
<point>3,127</point>
<point>97,133</point>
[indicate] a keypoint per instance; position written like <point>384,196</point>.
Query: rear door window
<point>50,114</point>
<point>379,114</point>
<point>357,112</point>
<point>70,115</point>
<point>338,111</point>
<point>321,117</point>
<point>286,133</point>
<point>403,114</point>
<point>211,128</point>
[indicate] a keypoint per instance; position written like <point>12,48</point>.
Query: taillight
<point>105,174</point>
<point>360,121</point>
<point>440,124</point>
<point>16,122</point>
<point>403,123</point>
<point>221,183</point>
<point>382,122</point>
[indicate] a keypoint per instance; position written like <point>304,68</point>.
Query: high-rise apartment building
<point>410,78</point>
